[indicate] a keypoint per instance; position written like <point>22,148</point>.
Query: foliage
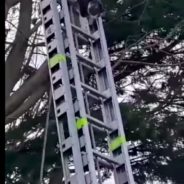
<point>23,155</point>
<point>157,145</point>
<point>129,20</point>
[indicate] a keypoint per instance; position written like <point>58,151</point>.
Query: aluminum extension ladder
<point>84,96</point>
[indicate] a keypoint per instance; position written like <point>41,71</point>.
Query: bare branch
<point>151,64</point>
<point>155,57</point>
<point>37,25</point>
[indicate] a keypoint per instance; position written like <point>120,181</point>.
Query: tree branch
<point>37,25</point>
<point>27,104</point>
<point>27,89</point>
<point>151,64</point>
<point>153,58</point>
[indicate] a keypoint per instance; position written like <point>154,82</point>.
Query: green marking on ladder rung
<point>56,59</point>
<point>117,142</point>
<point>82,122</point>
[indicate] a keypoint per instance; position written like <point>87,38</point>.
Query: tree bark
<point>16,56</point>
<point>27,89</point>
<point>27,104</point>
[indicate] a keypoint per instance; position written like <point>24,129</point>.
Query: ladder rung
<point>88,94</point>
<point>44,4</point>
<point>66,144</point>
<point>66,44</point>
<point>82,38</point>
<point>47,17</point>
<point>120,158</point>
<point>105,164</point>
<point>98,128</point>
<point>84,159</point>
<point>99,123</point>
<point>49,31</point>
<point>89,61</point>
<point>107,158</point>
<point>82,141</point>
<point>76,28</point>
<point>76,106</point>
<point>92,96</point>
<point>70,73</point>
<point>56,76</point>
<point>52,45</point>
<point>59,92</point>
<point>104,94</point>
<point>61,109</point>
<point>84,64</point>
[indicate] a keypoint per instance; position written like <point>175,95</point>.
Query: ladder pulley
<point>90,7</point>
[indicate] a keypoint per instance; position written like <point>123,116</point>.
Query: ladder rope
<point>45,138</point>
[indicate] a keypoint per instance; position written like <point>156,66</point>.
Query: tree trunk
<point>16,56</point>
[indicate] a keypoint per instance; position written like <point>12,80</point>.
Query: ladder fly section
<point>89,125</point>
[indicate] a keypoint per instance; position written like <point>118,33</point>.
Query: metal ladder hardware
<point>85,101</point>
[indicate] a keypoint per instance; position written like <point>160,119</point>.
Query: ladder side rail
<point>105,115</point>
<point>115,102</point>
<point>79,92</point>
<point>102,84</point>
<point>70,111</point>
<point>84,25</point>
<point>60,130</point>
